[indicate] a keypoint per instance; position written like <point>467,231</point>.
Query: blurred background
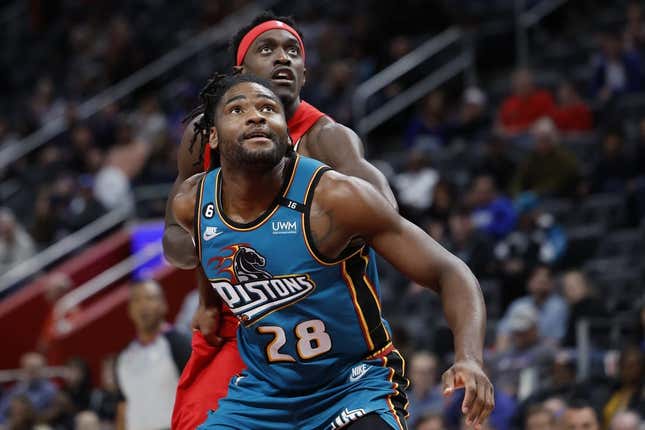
<point>512,131</point>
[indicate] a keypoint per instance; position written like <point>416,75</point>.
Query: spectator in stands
<point>497,163</point>
<point>104,399</point>
<point>78,382</point>
<point>472,118</point>
<point>539,418</point>
<point>524,106</point>
<point>15,243</point>
<point>571,114</point>
<point>428,130</point>
<point>425,395</point>
<point>493,213</point>
<point>579,415</point>
<point>112,184</point>
<point>433,421</point>
<point>148,369</point>
<point>615,70</point>
<point>39,391</point>
<point>60,414</point>
<point>473,247</point>
<point>86,420</point>
<point>582,304</point>
<point>20,414</point>
<point>549,169</point>
<point>613,169</point>
<point>629,392</point>
<point>635,27</point>
<point>443,202</point>
<point>552,311</point>
<point>415,186</point>
<point>538,239</point>
<point>527,351</point>
<point>626,420</point>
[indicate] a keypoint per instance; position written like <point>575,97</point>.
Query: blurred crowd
<point>539,188</point>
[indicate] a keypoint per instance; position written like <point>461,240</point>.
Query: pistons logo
<point>248,289</point>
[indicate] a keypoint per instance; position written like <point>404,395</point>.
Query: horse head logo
<point>248,264</point>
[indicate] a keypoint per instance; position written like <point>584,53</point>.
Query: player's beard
<point>257,159</point>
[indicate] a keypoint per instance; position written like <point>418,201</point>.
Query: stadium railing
<point>462,62</point>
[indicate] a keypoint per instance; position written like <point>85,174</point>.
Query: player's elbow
<point>172,249</point>
<point>453,268</point>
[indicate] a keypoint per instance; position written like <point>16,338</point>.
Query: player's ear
<point>212,138</point>
<point>304,76</point>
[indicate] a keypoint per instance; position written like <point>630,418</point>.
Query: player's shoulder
<point>335,187</point>
<point>326,128</point>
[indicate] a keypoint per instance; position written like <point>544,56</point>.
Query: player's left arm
<point>356,209</point>
<point>341,148</point>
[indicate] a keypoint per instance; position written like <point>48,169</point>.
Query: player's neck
<point>247,194</point>
<point>290,108</point>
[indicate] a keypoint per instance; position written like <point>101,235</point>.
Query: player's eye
<point>267,108</point>
<point>265,50</point>
<point>235,110</point>
<point>293,51</point>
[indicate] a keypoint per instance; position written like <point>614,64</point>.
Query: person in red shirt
<point>269,47</point>
<point>524,106</point>
<point>571,114</point>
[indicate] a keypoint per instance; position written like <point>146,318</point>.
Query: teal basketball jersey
<point>303,317</point>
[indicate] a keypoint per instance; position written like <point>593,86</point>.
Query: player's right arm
<point>182,206</point>
<point>178,245</point>
<point>346,207</point>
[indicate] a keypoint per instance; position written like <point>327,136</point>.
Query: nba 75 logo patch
<point>248,289</point>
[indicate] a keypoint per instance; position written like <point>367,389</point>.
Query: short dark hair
<point>263,17</point>
<point>210,96</point>
<point>582,403</point>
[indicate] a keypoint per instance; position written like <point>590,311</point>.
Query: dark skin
<point>344,208</point>
<point>327,141</point>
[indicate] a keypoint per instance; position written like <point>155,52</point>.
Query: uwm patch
<point>250,291</point>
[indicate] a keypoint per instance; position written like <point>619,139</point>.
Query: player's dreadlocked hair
<point>210,96</point>
<point>263,17</point>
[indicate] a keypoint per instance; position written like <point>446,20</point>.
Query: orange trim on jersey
<point>266,217</point>
<point>357,307</point>
<point>381,352</point>
<point>395,387</point>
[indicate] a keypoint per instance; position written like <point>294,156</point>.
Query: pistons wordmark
<point>250,291</point>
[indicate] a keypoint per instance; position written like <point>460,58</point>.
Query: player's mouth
<point>283,76</point>
<point>257,136</point>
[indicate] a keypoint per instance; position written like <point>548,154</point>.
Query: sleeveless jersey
<point>303,317</point>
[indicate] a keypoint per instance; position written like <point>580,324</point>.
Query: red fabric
<point>302,120</point>
<point>572,118</point>
<point>204,381</point>
<point>519,113</point>
<point>299,124</point>
<point>253,34</point>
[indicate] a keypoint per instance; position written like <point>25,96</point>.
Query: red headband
<point>253,34</point>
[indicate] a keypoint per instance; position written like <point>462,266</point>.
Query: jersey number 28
<point>313,341</point>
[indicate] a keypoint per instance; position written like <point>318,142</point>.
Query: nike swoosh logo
<point>354,378</point>
<point>208,235</point>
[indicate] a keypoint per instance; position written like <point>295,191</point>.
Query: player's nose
<point>282,57</point>
<point>255,118</point>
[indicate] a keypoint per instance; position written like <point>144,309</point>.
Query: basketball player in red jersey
<point>271,48</point>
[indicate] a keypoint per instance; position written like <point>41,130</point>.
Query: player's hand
<point>478,400</point>
<point>207,321</point>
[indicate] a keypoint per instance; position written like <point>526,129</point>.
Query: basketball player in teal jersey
<point>274,233</point>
